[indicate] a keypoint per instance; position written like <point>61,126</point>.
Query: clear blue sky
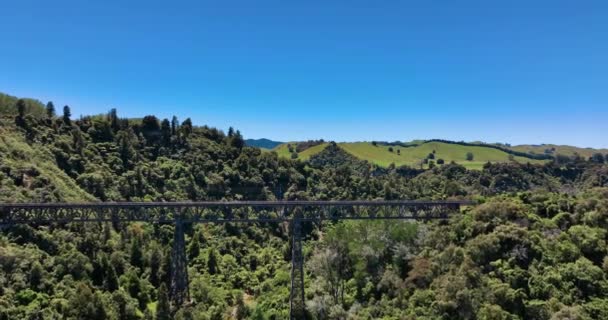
<point>497,71</point>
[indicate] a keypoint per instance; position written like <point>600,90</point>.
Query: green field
<point>559,149</point>
<point>412,156</point>
<point>283,151</point>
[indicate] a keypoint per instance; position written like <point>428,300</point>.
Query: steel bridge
<point>178,213</point>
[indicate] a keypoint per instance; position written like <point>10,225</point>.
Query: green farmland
<point>413,156</point>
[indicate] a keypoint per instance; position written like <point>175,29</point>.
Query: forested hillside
<point>534,248</point>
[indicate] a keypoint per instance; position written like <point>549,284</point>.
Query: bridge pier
<point>296,298</point>
<point>179,291</point>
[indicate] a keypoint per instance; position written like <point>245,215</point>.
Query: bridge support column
<point>179,265</point>
<point>296,298</point>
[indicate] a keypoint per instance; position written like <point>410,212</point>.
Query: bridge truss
<point>179,213</point>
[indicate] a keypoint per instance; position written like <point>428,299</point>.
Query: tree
<point>21,106</point>
<point>86,304</point>
<point>136,253</point>
<point>431,155</point>
<point>126,141</point>
<point>332,263</point>
<point>390,149</point>
<point>50,110</point>
<point>164,273</point>
<point>155,263</point>
<point>469,156</point>
<point>67,113</point>
<point>187,127</point>
<point>174,125</point>
<point>132,283</point>
<point>36,275</point>
<point>597,158</point>
<point>20,119</point>
<point>230,132</point>
<point>212,263</point>
<point>163,308</point>
<point>440,161</point>
<point>101,131</point>
<point>111,279</point>
<point>165,131</point>
<point>150,129</point>
<point>126,306</point>
<point>194,248</point>
<point>237,140</point>
<point>113,119</point>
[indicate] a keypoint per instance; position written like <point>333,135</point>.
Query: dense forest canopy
<point>534,248</point>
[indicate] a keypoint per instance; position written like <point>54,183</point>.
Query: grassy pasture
<point>559,149</point>
<point>283,151</point>
<point>412,156</point>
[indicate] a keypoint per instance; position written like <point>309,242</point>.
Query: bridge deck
<point>224,211</point>
<point>293,203</point>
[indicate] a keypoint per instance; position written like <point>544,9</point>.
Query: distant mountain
<point>262,143</point>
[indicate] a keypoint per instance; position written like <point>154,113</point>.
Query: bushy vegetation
<point>534,248</point>
<point>9,108</point>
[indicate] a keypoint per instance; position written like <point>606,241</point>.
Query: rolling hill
<point>283,150</point>
<point>262,143</point>
<point>414,155</point>
<point>554,149</point>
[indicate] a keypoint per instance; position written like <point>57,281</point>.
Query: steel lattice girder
<point>223,212</point>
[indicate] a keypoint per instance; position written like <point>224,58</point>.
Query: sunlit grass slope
<point>412,156</point>
<point>559,149</point>
<point>283,151</point>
